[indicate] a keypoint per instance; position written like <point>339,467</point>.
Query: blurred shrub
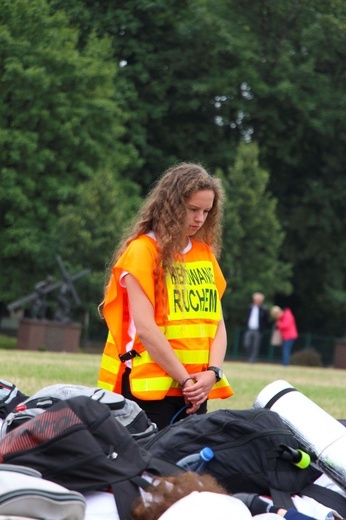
<point>6,342</point>
<point>308,357</point>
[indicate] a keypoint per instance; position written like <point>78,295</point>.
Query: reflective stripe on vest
<point>149,381</point>
<point>197,330</point>
<point>110,367</point>
<point>159,387</point>
<point>110,364</point>
<point>187,357</point>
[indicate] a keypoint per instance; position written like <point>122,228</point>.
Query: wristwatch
<point>217,371</point>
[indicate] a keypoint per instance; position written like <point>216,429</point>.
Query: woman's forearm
<point>219,346</point>
<point>150,334</point>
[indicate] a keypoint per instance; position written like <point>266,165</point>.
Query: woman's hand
<point>199,388</point>
<point>192,406</point>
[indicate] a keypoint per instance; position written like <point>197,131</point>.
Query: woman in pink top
<point>286,324</point>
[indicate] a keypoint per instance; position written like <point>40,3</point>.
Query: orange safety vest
<point>193,292</point>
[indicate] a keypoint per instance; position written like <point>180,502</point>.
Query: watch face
<point>217,371</point>
<point>219,374</point>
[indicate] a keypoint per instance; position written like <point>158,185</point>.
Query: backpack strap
<point>127,491</point>
<point>282,499</point>
<point>164,468</point>
<point>141,482</point>
<point>327,497</point>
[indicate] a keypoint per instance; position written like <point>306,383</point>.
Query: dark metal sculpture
<point>63,311</point>
<point>38,298</point>
<point>39,305</point>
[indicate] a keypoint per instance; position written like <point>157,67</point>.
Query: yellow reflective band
<point>194,357</point>
<point>106,386</point>
<point>220,384</point>
<point>151,384</point>
<point>110,364</point>
<point>187,357</point>
<point>199,330</point>
<point>223,382</point>
<point>110,338</point>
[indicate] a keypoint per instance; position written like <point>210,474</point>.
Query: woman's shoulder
<point>197,245</point>
<point>202,251</point>
<point>288,312</point>
<point>138,250</point>
<point>146,241</point>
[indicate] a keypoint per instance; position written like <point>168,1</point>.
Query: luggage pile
<point>82,439</point>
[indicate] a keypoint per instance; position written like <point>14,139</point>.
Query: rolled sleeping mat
<point>318,433</point>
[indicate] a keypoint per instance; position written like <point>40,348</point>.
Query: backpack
<point>10,397</point>
<point>252,453</point>
<point>24,493</point>
<point>124,410</point>
<point>77,444</point>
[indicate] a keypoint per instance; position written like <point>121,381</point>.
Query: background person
<point>286,324</point>
<point>167,338</point>
<point>257,322</point>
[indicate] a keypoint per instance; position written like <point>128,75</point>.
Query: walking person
<point>257,322</point>
<point>286,324</point>
<point>167,338</point>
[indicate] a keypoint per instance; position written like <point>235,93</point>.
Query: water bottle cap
<point>207,454</point>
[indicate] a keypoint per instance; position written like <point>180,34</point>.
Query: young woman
<point>286,324</point>
<point>167,338</point>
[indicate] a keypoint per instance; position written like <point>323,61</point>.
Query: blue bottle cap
<point>206,454</point>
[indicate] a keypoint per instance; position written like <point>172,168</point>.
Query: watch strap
<point>217,371</point>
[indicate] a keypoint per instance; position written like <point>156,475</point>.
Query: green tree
<point>252,238</point>
<point>278,78</point>
<point>196,77</point>
<point>88,230</point>
<point>292,103</point>
<point>59,124</point>
<point>172,63</point>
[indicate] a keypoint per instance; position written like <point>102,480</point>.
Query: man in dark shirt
<point>257,322</point>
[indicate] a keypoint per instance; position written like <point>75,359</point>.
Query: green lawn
<point>31,371</point>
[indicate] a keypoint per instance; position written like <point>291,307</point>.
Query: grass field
<point>31,371</point>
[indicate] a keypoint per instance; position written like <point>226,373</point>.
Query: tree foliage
<point>88,230</point>
<point>294,99</point>
<point>58,125</point>
<point>129,88</point>
<point>252,236</point>
<point>172,61</point>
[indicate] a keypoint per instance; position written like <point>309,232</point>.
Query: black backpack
<point>77,443</point>
<point>10,397</point>
<point>252,454</point>
<point>24,408</point>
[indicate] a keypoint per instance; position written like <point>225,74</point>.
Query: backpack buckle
<point>128,355</point>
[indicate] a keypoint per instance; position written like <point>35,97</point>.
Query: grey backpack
<point>25,494</point>
<point>127,412</point>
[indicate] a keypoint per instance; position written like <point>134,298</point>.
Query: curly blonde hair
<point>164,212</point>
<point>164,495</point>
